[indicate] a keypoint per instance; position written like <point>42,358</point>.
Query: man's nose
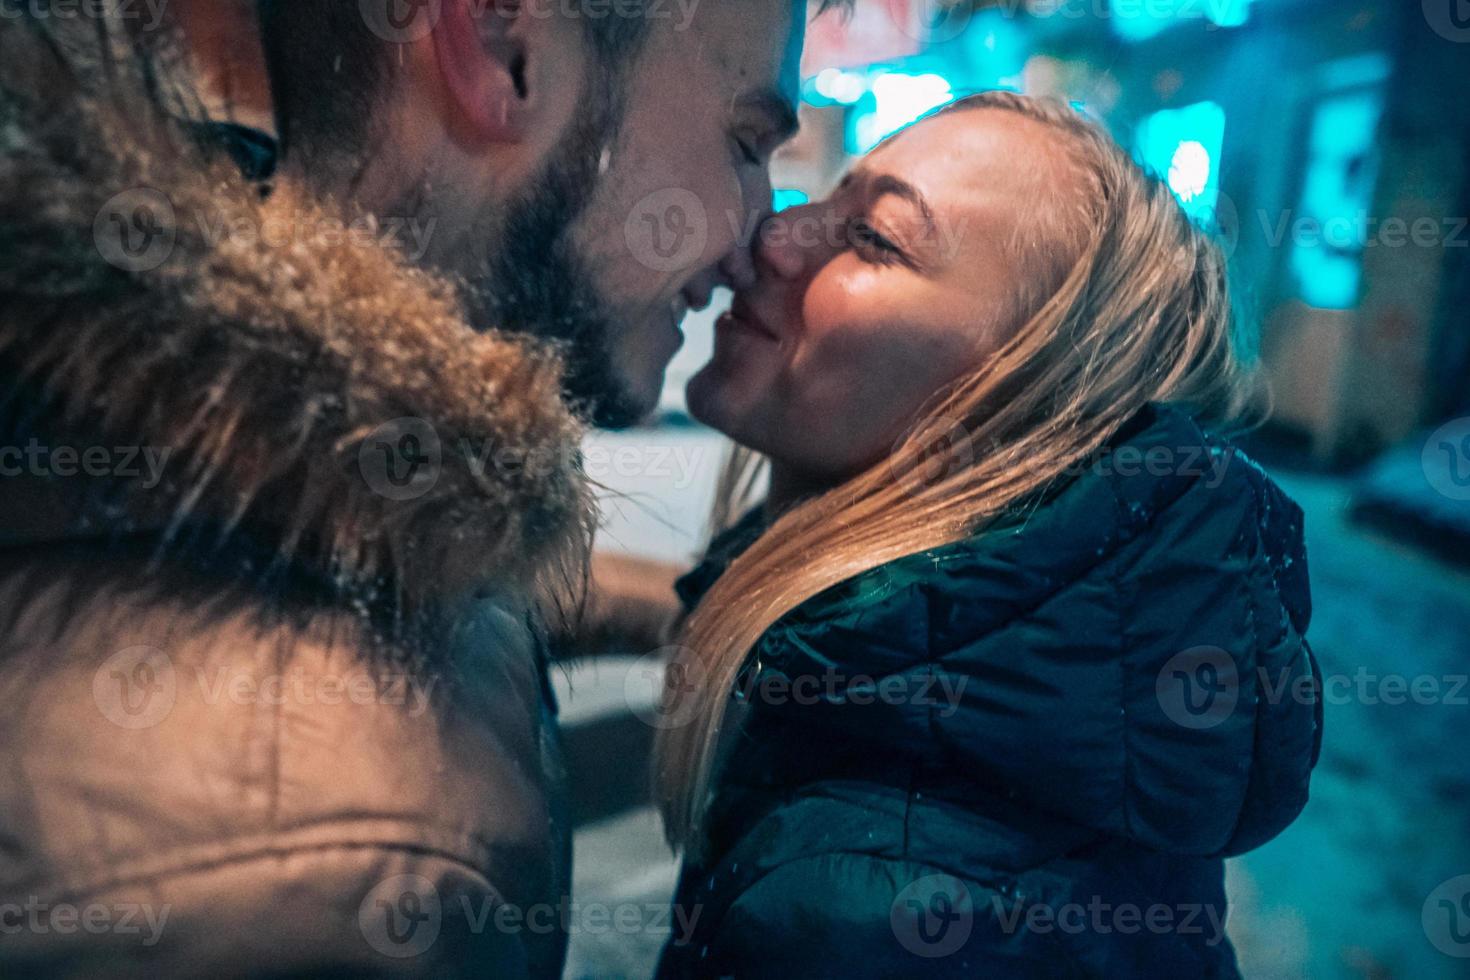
<point>738,268</point>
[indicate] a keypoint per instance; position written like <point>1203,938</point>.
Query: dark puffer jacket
<point>1026,754</point>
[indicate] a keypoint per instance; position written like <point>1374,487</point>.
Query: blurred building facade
<point>1328,142</point>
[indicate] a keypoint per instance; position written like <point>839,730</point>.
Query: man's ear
<point>481,52</point>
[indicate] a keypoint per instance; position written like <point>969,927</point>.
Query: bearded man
<point>303,306</point>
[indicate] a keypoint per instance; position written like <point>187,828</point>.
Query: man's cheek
<point>724,213</point>
<point>608,257</point>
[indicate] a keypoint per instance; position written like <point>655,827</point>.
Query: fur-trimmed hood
<point>308,390</point>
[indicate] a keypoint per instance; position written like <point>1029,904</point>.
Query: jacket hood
<point>1126,655</point>
<point>306,387</point>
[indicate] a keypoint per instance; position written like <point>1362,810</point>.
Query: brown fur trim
<point>266,369</point>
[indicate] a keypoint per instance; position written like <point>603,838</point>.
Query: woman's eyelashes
<point>871,245</point>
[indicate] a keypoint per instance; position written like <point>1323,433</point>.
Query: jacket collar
<point>1112,483</point>
<point>291,386</point>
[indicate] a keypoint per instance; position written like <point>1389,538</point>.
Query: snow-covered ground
<point>1352,889</point>
<point>1356,888</point>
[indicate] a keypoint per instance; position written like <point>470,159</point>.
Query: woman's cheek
<point>815,406</point>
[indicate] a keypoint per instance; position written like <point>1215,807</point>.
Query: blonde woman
<point>1012,655</point>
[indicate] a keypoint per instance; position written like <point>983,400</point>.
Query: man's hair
<point>327,66</point>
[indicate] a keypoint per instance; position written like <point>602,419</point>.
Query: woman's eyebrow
<point>889,184</point>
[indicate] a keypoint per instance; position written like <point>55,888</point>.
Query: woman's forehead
<point>996,190</point>
<point>971,146</point>
<point>984,163</point>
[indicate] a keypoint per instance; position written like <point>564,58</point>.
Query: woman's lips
<point>741,317</point>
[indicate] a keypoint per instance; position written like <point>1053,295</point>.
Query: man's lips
<point>742,315</point>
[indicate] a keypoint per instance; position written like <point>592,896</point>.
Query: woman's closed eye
<point>871,245</point>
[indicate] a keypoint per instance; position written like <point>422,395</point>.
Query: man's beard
<point>537,283</point>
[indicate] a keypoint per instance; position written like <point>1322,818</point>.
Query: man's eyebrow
<point>777,108</point>
<point>889,184</point>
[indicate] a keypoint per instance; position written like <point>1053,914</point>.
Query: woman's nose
<point>781,248</point>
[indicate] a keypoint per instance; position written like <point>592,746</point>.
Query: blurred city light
<point>1341,170</point>
<point>833,85</point>
<point>785,197</point>
<point>896,99</point>
<point>1139,20</point>
<point>1182,145</point>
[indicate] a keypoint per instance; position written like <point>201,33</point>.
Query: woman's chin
<point>701,394</point>
<point>713,399</point>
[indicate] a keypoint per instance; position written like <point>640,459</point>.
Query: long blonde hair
<point>1142,315</point>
